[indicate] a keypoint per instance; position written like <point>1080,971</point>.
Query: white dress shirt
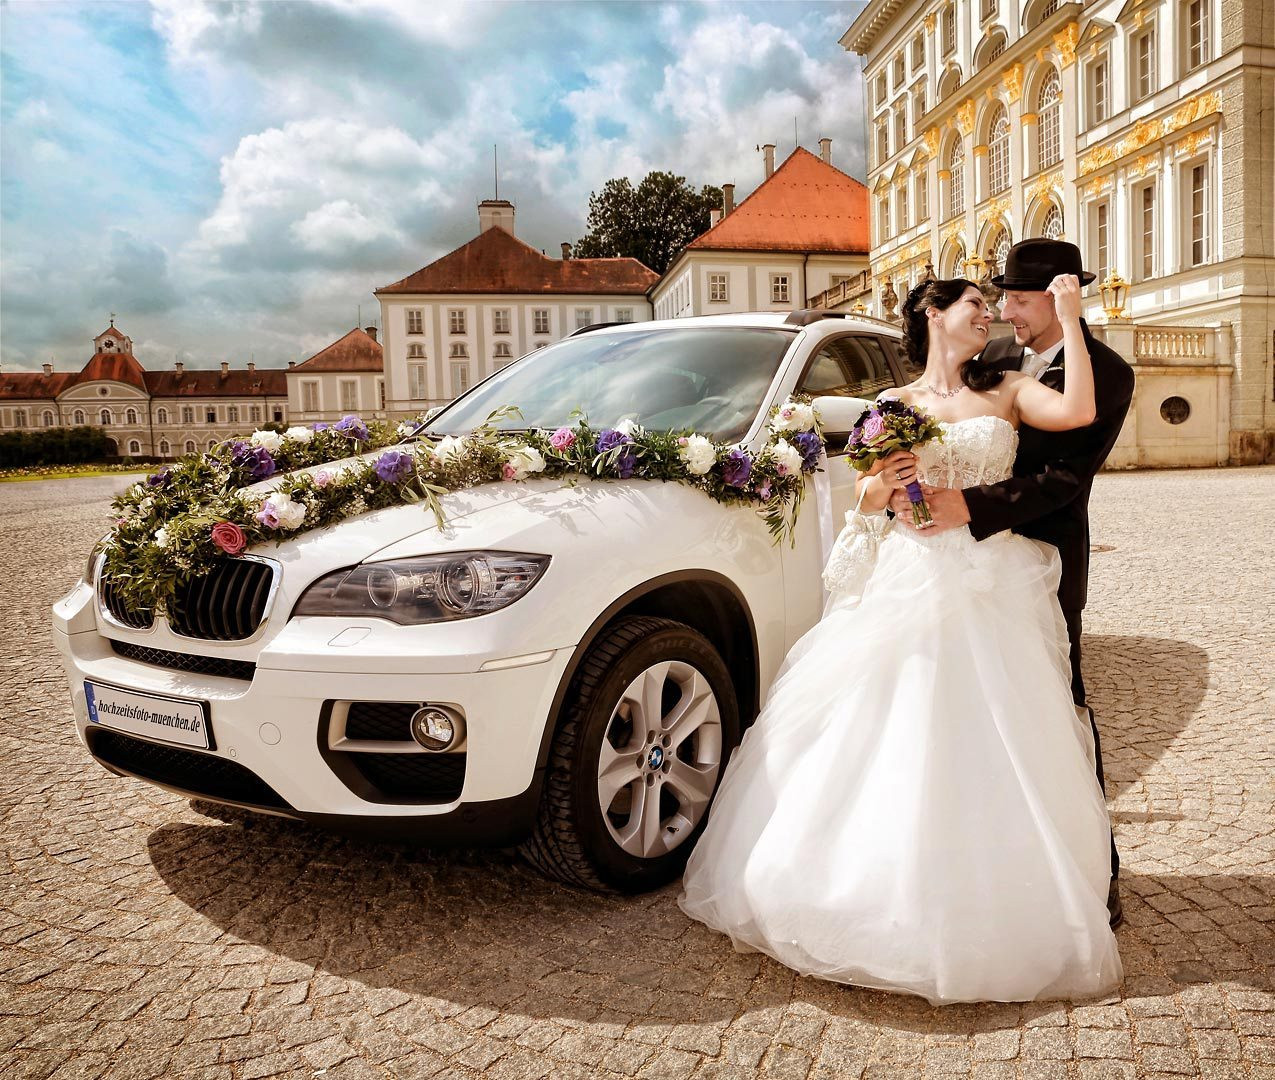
<point>1035,363</point>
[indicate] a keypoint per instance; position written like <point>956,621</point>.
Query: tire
<point>637,667</point>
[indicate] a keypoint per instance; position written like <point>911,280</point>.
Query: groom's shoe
<point>1114,908</point>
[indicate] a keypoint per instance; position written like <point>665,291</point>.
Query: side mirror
<point>838,414</point>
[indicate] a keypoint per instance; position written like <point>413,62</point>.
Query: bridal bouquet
<point>887,426</point>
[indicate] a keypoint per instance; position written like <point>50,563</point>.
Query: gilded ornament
<point>965,117</point>
<point>1096,159</point>
<point>931,20</point>
<point>1044,184</point>
<point>1065,41</point>
<point>931,140</point>
<point>1143,132</point>
<point>1013,80</point>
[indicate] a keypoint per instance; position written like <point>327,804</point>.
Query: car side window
<point>850,366</point>
<point>911,370</point>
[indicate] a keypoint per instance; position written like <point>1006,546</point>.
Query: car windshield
<point>708,379</point>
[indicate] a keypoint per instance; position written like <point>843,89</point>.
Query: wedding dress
<point>914,809</point>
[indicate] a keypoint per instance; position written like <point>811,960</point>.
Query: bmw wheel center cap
<point>656,757</point>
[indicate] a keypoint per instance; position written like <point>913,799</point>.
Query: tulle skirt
<point>916,809</point>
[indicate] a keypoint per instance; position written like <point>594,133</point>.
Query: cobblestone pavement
<point>142,938</point>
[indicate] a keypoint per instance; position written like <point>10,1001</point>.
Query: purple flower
<point>810,446</point>
<point>159,479</point>
<point>736,469</point>
<point>609,439</point>
<point>626,463</point>
<point>321,426</point>
<point>352,427</point>
<point>763,490</point>
<point>256,459</point>
<point>395,466</point>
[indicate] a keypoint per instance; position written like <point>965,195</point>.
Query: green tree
<point>650,223</point>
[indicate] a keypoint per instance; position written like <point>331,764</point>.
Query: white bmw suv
<point>585,713</point>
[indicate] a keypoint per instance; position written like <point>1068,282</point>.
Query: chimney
<point>252,366</point>
<point>179,367</point>
<point>825,151</point>
<point>291,364</point>
<point>48,369</point>
<point>370,331</point>
<point>566,251</point>
<point>225,368</point>
<point>768,152</point>
<point>728,199</point>
<point>496,214</point>
<point>714,216</point>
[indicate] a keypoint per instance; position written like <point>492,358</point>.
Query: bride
<point>914,809</point>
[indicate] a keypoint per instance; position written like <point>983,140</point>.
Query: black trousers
<point>1078,696</point>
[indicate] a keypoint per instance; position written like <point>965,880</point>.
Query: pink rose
<point>873,428</point>
<point>562,439</point>
<point>229,537</point>
<point>322,478</point>
<point>268,516</point>
<point>508,471</point>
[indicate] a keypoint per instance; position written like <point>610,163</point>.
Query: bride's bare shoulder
<point>905,394</point>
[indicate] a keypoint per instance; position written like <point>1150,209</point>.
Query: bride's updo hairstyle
<point>916,328</point>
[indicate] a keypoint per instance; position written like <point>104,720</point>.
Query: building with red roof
<point>491,300</point>
<point>345,377</point>
<point>802,232</point>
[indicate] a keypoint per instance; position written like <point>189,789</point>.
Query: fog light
<point>435,728</point>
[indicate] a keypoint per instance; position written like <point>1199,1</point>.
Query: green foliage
<point>53,446</point>
<point>651,223</point>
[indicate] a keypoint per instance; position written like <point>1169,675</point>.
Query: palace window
<point>416,352</point>
<point>1098,79</point>
<point>896,71</point>
<point>19,418</point>
<point>47,419</point>
<point>416,382</point>
<point>956,185</point>
<point>130,417</point>
<point>1144,81</point>
<point>1197,192</point>
<point>232,414</point>
<point>104,417</point>
<point>900,126</point>
<point>380,394</point>
<point>901,197</point>
<point>190,446</point>
<point>456,320</point>
<point>161,415</point>
<point>188,414</point>
<point>998,152</point>
<point>540,320</point>
<point>584,317</point>
<point>999,249</point>
<point>1100,232</point>
<point>1052,225</point>
<point>460,379</point>
<point>278,414</point>
<point>918,53</point>
<point>310,397</point>
<point>1048,106</point>
<point>879,91</point>
<point>988,10</point>
<point>79,418</point>
<point>210,416</point>
<point>947,29</point>
<point>255,414</point>
<point>1197,33</point>
<point>165,448</point>
<point>134,447</point>
<point>883,218</point>
<point>779,289</point>
<point>922,197</point>
<point>458,351</point>
<point>500,321</point>
<point>415,321</point>
<point>1144,207</point>
<point>883,141</point>
<point>718,289</point>
<point>624,314</point>
<point>918,104</point>
<point>502,351</point>
<point>349,395</point>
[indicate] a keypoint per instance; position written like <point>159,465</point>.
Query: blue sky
<point>233,180</point>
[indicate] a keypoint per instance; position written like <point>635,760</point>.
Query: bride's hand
<point>897,469</point>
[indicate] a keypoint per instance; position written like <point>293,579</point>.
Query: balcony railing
<point>1165,344</point>
<point>844,292</point>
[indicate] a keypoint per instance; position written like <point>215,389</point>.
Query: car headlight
<point>434,588</point>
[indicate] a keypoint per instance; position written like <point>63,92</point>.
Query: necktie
<point>1033,365</point>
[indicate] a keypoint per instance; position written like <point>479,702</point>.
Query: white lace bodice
<point>978,450</point>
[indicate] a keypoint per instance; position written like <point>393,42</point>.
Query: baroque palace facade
<point>1141,130</point>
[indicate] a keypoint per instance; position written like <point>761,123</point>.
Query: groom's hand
<point>947,508</point>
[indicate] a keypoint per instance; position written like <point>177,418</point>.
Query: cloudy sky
<point>234,179</point>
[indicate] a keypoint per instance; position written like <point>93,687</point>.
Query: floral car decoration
<point>177,524</point>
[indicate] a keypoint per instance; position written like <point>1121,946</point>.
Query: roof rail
<point>806,316</point>
<point>596,326</point>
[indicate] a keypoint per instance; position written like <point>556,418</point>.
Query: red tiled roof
<point>237,382</point>
<point>496,262</point>
<point>357,351</point>
<point>805,205</point>
<point>33,385</point>
<point>112,367</point>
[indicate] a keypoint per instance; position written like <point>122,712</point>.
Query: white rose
<point>299,434</point>
<point>450,448</point>
<point>270,440</point>
<point>793,416</point>
<point>524,460</point>
<point>787,457</point>
<point>161,537</point>
<point>628,426</point>
<point>291,514</point>
<point>699,454</point>
<point>405,428</point>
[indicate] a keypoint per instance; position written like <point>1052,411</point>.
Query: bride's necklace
<point>944,393</point>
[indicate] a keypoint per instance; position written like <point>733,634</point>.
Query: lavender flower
<point>395,466</point>
<point>626,463</point>
<point>810,445</point>
<point>609,439</point>
<point>321,426</point>
<point>159,479</point>
<point>256,459</point>
<point>352,427</point>
<point>736,468</point>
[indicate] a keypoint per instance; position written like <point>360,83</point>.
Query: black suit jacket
<point>1047,498</point>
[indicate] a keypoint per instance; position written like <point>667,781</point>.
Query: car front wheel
<point>645,732</point>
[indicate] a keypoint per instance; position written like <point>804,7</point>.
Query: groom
<point>1047,498</point>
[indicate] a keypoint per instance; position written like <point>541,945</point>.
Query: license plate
<point>152,716</point>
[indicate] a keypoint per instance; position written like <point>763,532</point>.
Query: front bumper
<point>275,726</point>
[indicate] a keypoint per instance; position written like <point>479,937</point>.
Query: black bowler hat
<point>1032,264</point>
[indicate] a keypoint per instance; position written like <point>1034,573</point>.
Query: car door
<point>848,365</point>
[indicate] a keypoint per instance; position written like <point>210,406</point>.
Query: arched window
<point>161,415</point>
<point>47,419</point>
<point>459,351</point>
<point>1052,225</point>
<point>949,83</point>
<point>1039,12</point>
<point>164,448</point>
<point>131,416</point>
<point>190,446</point>
<point>952,263</point>
<point>212,444</point>
<point>1048,104</point>
<point>991,48</point>
<point>998,249</point>
<point>416,352</point>
<point>956,183</point>
<point>105,417</point>
<point>998,152</point>
<point>134,447</point>
<point>79,417</point>
<point>502,349</point>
